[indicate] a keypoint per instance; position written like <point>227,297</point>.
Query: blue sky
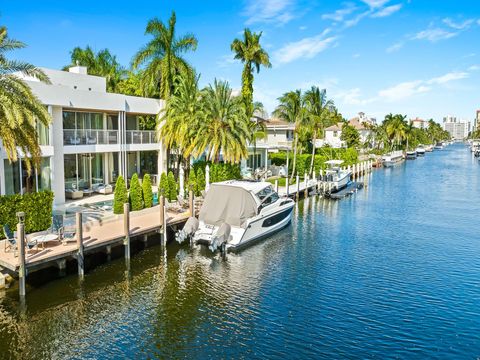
<point>414,57</point>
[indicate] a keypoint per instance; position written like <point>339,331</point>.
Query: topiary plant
<point>120,196</point>
<point>135,195</point>
<point>163,186</point>
<point>200,181</point>
<point>147,191</point>
<point>172,187</point>
<point>192,181</point>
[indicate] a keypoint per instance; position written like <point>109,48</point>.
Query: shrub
<point>147,191</point>
<point>120,196</point>
<point>172,187</point>
<point>200,181</point>
<point>192,181</point>
<point>135,194</point>
<point>163,186</point>
<point>37,207</point>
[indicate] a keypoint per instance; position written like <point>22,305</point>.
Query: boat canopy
<point>334,162</point>
<point>227,204</point>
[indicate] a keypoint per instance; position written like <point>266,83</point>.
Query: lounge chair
<point>102,189</point>
<point>11,241</point>
<point>58,228</point>
<point>181,201</point>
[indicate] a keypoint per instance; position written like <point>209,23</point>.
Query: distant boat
<point>420,150</point>
<point>337,177</point>
<point>392,159</point>
<point>438,146</point>
<point>429,148</point>
<point>411,155</point>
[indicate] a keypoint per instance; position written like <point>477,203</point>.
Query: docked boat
<point>335,176</point>
<point>392,159</point>
<point>411,155</point>
<point>438,146</point>
<point>429,148</point>
<point>420,150</point>
<point>235,213</point>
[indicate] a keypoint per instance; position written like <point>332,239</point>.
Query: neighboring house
<point>94,137</point>
<point>419,123</point>
<point>279,136</point>
<point>333,133</point>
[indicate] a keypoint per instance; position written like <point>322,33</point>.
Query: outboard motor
<point>191,226</point>
<point>221,237</point>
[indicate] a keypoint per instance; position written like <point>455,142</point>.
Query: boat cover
<point>227,204</point>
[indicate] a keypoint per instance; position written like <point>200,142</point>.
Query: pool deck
<point>97,236</point>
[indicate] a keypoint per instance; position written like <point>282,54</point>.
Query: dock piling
<point>164,233</point>
<point>161,204</point>
<point>297,195</point>
<point>287,186</point>
<point>306,185</point>
<point>191,205</point>
<point>21,237</point>
<point>79,230</point>
<point>126,228</point>
<point>276,186</point>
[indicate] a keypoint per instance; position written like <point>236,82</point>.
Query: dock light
<point>21,217</point>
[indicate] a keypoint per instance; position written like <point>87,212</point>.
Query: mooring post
<point>288,187</point>
<point>207,178</point>
<point>161,204</point>
<point>21,239</point>
<point>276,186</point>
<point>191,204</point>
<point>305,195</point>
<point>80,259</point>
<point>126,229</point>
<point>181,190</point>
<point>297,195</point>
<point>164,237</point>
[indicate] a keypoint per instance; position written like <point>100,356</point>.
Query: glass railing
<point>141,137</point>
<point>90,137</point>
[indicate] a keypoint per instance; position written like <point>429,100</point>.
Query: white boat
<point>438,146</point>
<point>429,148</point>
<point>420,150</point>
<point>335,176</point>
<point>411,155</point>
<point>235,213</point>
<point>393,158</point>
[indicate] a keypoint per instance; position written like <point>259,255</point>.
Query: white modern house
<point>279,136</point>
<point>94,137</point>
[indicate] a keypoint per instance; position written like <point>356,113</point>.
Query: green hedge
<point>37,208</point>
<point>220,171</point>
<point>349,156</point>
<point>135,195</point>
<point>147,191</point>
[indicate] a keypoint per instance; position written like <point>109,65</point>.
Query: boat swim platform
<point>348,190</point>
<point>97,236</point>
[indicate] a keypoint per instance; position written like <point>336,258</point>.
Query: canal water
<point>391,272</point>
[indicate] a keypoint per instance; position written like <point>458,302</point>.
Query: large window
<point>43,134</point>
<point>148,162</point>
<point>19,181</point>
<point>83,170</point>
<point>83,128</point>
<point>112,166</point>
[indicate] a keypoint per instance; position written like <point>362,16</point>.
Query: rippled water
<point>392,272</point>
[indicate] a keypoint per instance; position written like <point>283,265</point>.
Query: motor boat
<point>420,150</point>
<point>429,148</point>
<point>335,176</point>
<point>393,158</point>
<point>236,213</point>
<point>438,146</point>
<point>410,154</point>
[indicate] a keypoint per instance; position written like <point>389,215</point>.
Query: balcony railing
<point>90,137</point>
<point>141,137</point>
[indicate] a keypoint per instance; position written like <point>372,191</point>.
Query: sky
<point>414,57</point>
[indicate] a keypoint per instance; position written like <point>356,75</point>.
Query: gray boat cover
<point>227,204</point>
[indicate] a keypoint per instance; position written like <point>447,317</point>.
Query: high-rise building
<point>458,130</point>
<point>449,119</point>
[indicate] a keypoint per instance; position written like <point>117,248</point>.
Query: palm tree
<point>223,127</point>
<point>249,51</point>
<point>257,129</point>
<point>178,121</point>
<point>317,106</point>
<point>396,128</point>
<point>162,56</point>
<point>291,110</point>
<point>102,63</point>
<point>20,109</point>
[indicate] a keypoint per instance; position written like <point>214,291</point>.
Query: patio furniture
<point>73,194</point>
<point>58,228</point>
<point>102,189</point>
<point>42,239</point>
<point>90,140</point>
<point>11,241</point>
<point>87,192</point>
<point>74,140</point>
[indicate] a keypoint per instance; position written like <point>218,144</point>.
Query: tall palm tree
<point>396,128</point>
<point>291,109</point>
<point>102,63</point>
<point>179,120</point>
<point>162,56</point>
<point>223,127</point>
<point>317,107</point>
<point>249,51</point>
<point>20,109</point>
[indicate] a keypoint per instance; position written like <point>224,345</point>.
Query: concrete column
<point>58,173</point>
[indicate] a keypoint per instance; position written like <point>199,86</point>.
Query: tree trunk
<point>294,157</point>
<point>314,140</point>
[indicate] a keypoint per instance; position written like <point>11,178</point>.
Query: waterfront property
<point>94,137</point>
<point>333,134</point>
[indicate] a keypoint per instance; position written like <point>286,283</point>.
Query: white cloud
<point>356,56</point>
<point>269,11</point>
<point>354,21</point>
<point>395,47</point>
<point>226,60</point>
<point>340,14</point>
<point>375,3</point>
<point>302,28</point>
<point>434,35</point>
<point>458,26</point>
<point>306,48</point>
<point>352,97</point>
<point>456,75</point>
<point>474,68</point>
<point>387,11</point>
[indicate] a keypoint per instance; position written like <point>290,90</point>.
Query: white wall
<point>58,178</point>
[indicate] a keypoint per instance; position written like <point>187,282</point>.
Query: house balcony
<point>90,137</point>
<point>136,137</point>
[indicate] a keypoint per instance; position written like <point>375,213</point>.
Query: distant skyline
<point>413,57</point>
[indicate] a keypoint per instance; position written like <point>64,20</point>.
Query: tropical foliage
<point>147,191</point>
<point>20,109</point>
<point>120,195</point>
<point>172,187</point>
<point>350,135</point>
<point>249,51</point>
<point>162,57</point>
<point>135,195</point>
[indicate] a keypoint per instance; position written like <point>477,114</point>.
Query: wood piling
<point>126,228</point>
<point>79,233</point>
